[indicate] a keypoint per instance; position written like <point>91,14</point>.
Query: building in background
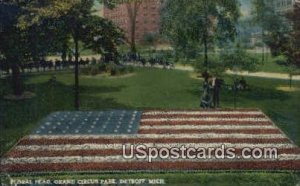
<point>147,18</point>
<point>283,6</point>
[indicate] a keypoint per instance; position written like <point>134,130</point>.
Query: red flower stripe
<point>108,152</point>
<point>159,166</point>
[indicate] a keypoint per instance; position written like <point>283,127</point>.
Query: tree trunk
<point>132,42</point>
<point>77,101</point>
<point>263,48</point>
<point>64,52</point>
<point>16,80</point>
<point>205,43</point>
<point>205,36</point>
<point>291,81</point>
<point>205,52</point>
<point>132,9</point>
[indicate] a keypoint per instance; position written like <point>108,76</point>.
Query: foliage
<point>32,29</point>
<point>151,38</point>
<point>195,23</point>
<point>107,68</point>
<point>216,66</point>
<point>238,59</point>
<point>20,45</point>
<point>102,36</point>
<point>293,49</point>
<point>275,27</point>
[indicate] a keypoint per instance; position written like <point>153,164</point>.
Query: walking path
<point>270,75</point>
<point>266,75</point>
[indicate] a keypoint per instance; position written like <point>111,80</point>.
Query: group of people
<point>139,60</point>
<point>44,65</point>
<point>212,87</point>
<point>211,91</point>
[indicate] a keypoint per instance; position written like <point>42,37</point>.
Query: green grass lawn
<point>146,89</point>
<point>269,64</point>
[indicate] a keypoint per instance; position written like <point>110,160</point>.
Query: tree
<point>238,60</point>
<point>132,10</point>
<point>20,44</point>
<point>65,19</point>
<point>80,25</point>
<point>274,27</point>
<point>202,22</point>
<point>11,42</point>
<point>293,49</point>
<point>31,14</point>
<point>103,37</point>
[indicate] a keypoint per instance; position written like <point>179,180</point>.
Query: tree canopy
<point>32,29</point>
<point>203,22</point>
<point>275,27</point>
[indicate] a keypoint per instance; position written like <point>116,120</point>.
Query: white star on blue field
<point>90,123</point>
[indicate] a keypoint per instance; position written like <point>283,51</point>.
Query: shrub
<point>113,72</point>
<point>102,67</point>
<point>280,60</point>
<point>85,71</point>
<point>122,70</point>
<point>94,71</point>
<point>130,69</point>
<point>111,66</point>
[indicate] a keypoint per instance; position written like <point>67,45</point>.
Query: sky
<point>246,7</point>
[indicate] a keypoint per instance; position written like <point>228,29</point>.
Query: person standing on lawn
<point>217,83</point>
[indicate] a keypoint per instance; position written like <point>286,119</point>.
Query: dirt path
<point>266,75</point>
<point>250,74</point>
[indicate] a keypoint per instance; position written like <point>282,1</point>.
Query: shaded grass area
<point>148,89</point>
<point>269,64</point>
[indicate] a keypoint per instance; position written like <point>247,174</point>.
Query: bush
<point>280,60</point>
<point>122,70</point>
<point>94,71</point>
<point>111,66</point>
<point>215,65</point>
<point>85,71</point>
<point>102,67</point>
<point>130,69</point>
<point>113,72</point>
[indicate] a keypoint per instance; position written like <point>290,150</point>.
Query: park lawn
<point>148,89</point>
<point>269,64</point>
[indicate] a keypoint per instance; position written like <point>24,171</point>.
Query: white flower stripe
<point>202,113</point>
<point>199,127</point>
<point>205,119</point>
